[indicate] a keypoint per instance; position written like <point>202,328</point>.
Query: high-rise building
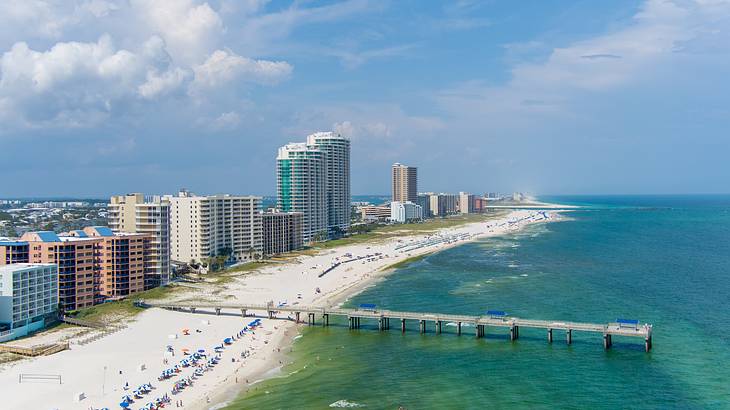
<point>403,212</point>
<point>404,183</point>
<point>206,226</point>
<point>467,203</point>
<point>122,260</point>
<point>336,154</point>
<point>79,271</point>
<point>443,204</point>
<point>301,187</point>
<point>133,213</point>
<point>28,298</point>
<point>282,231</point>
<point>424,200</point>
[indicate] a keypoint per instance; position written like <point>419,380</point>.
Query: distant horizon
<point>106,198</point>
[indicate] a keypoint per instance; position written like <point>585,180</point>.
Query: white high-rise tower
<point>336,151</point>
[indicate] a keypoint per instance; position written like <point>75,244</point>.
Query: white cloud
<point>160,84</point>
<point>190,30</point>
<point>224,66</point>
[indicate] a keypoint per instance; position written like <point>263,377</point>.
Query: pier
<point>493,319</point>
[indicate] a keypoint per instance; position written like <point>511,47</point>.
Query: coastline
<point>226,394</point>
<point>293,282</point>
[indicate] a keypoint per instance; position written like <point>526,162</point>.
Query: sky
<point>101,97</point>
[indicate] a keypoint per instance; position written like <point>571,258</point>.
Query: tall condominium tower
<point>405,183</point>
<point>301,187</point>
<point>336,150</point>
<point>204,226</point>
<point>133,213</point>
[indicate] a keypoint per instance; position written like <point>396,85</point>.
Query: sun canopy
<point>627,321</point>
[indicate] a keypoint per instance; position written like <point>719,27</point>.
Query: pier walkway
<point>437,320</point>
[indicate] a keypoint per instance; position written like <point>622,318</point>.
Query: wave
<point>346,404</point>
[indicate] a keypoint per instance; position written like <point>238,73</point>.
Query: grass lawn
<point>124,308</point>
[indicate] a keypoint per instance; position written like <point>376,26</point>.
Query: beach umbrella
<point>201,350</point>
<point>124,404</point>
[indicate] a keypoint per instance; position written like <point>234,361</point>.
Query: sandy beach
<point>137,354</point>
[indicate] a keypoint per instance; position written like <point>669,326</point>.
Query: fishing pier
<point>493,319</point>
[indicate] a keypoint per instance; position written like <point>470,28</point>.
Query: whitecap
<point>346,404</point>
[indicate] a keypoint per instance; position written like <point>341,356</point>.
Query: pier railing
<point>383,318</point>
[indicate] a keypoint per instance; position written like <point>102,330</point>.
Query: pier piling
<point>514,333</point>
<point>606,341</point>
<point>383,317</point>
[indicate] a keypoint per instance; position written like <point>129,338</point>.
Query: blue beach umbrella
<point>124,404</point>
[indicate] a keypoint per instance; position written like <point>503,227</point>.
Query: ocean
<point>663,260</point>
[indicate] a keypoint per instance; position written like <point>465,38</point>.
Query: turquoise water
<point>662,260</point>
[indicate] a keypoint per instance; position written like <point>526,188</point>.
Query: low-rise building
<point>13,252</point>
<point>372,213</point>
<point>78,265</point>
<point>28,298</point>
<point>403,212</point>
<point>122,259</point>
<point>282,231</point>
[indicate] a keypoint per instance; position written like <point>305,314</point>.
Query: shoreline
<point>227,394</point>
<point>138,348</point>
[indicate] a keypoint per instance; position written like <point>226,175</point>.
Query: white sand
<point>144,341</point>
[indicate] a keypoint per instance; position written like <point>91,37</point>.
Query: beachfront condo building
<point>202,227</point>
<point>424,200</point>
<point>13,252</point>
<point>28,298</point>
<point>404,183</point>
<point>443,204</point>
<point>123,257</point>
<point>301,187</point>
<point>135,213</point>
<point>79,272</point>
<point>467,203</point>
<point>373,213</point>
<point>336,155</point>
<point>403,212</point>
<point>282,231</point>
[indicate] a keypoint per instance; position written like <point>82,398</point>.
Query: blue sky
<point>100,97</point>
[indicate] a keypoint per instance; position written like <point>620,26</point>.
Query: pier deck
<point>383,318</point>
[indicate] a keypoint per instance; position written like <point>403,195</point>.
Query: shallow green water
<point>663,260</point>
